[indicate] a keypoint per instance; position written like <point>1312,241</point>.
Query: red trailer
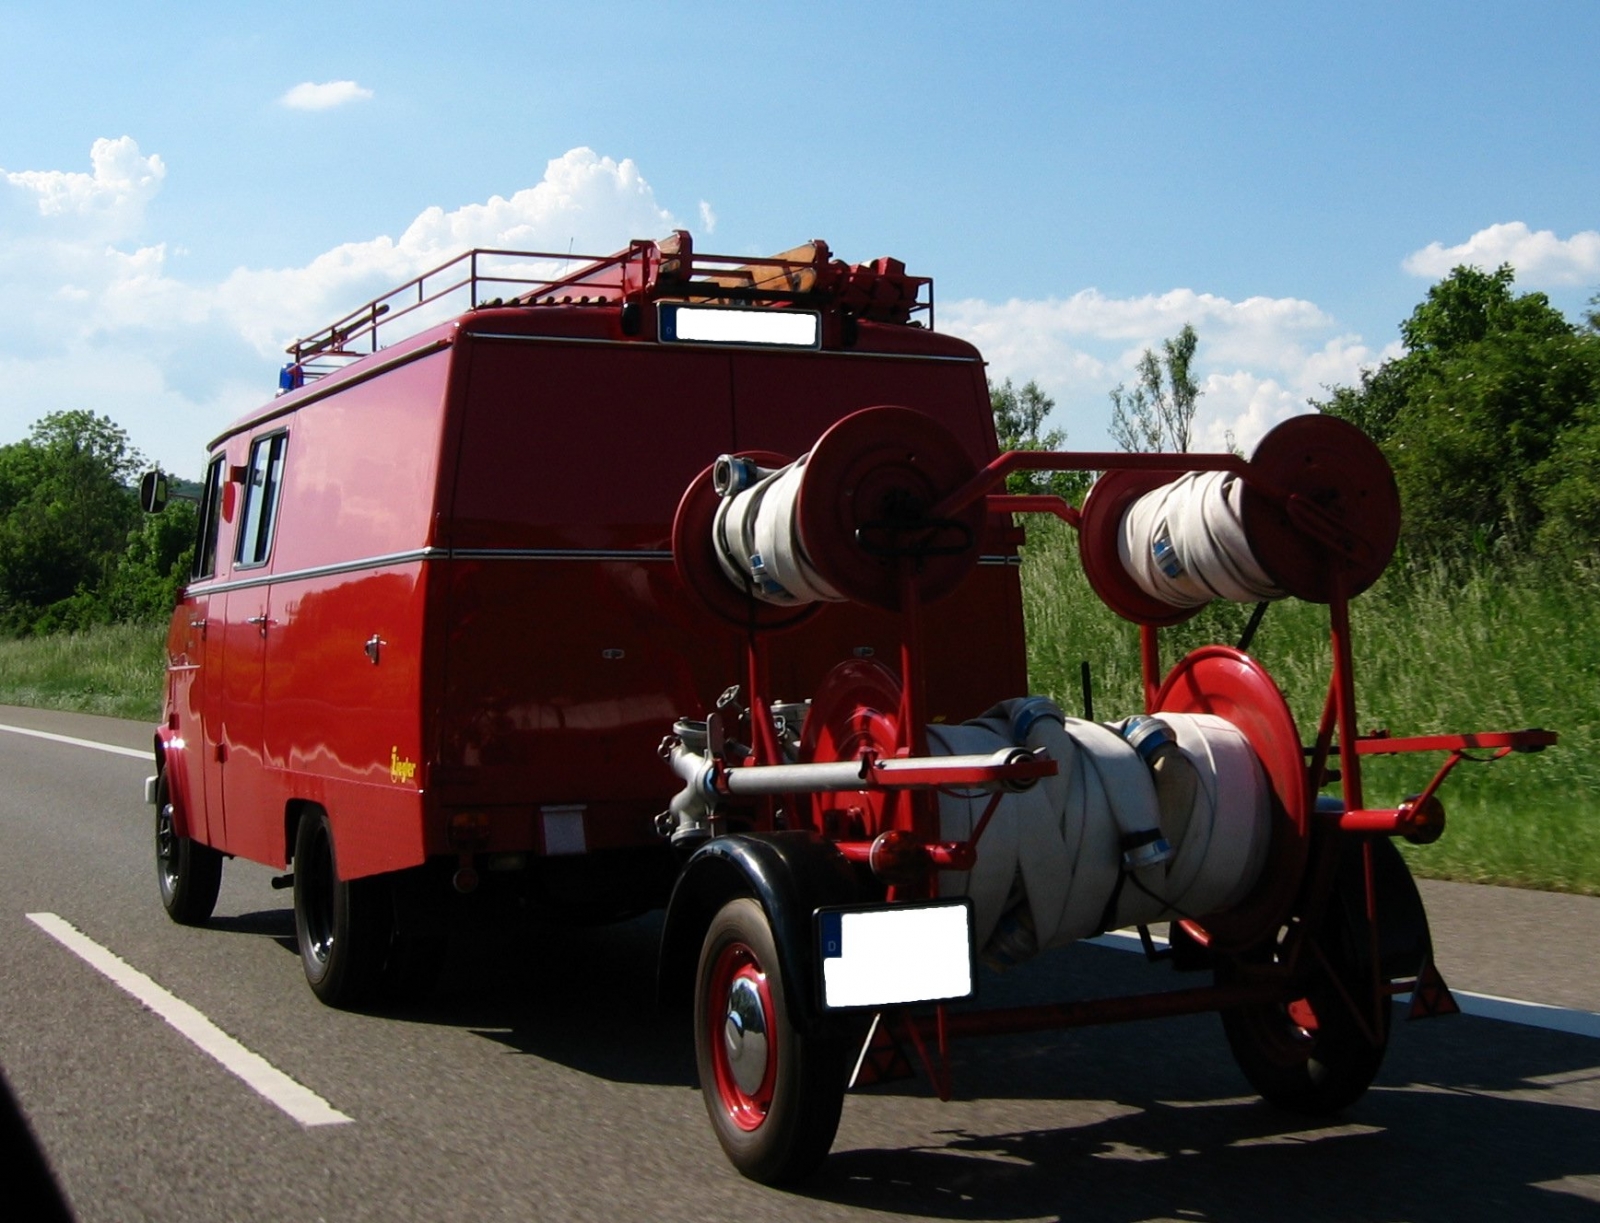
<point>450,594</point>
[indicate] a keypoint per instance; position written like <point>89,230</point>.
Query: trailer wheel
<point>774,1093</point>
<point>1312,1055</point>
<point>189,873</point>
<point>343,926</point>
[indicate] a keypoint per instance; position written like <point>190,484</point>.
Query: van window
<point>205,544</point>
<point>264,478</point>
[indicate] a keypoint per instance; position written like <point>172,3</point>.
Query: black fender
<point>791,875</point>
<point>1404,941</point>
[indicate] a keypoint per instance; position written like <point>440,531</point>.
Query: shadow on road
<point>1470,1118</point>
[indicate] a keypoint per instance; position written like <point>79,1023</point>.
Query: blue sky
<point>1080,180</point>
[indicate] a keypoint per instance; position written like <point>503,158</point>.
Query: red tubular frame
<point>913,816</point>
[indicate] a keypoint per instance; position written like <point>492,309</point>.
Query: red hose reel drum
<point>861,519</point>
<point>1311,475</point>
<point>869,484</point>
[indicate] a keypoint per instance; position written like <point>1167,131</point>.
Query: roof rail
<point>645,270</point>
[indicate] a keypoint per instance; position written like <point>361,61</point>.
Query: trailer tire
<point>1311,1055</point>
<point>343,926</point>
<point>773,1091</point>
<point>188,873</point>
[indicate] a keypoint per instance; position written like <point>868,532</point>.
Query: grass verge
<point>1434,652</point>
<point>117,670</point>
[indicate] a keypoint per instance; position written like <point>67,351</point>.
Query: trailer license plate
<point>893,955</point>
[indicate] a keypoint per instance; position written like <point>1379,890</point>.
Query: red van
<point>435,632</point>
<point>690,581</point>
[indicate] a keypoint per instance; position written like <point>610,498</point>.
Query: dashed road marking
<point>136,753</point>
<point>277,1088</point>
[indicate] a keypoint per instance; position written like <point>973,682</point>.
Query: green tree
<point>1158,413</point>
<point>1019,417</point>
<point>65,512</point>
<point>1489,420</point>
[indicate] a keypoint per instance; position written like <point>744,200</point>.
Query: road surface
<point>543,1084</point>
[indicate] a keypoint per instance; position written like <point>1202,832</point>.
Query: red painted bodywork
<point>492,501</point>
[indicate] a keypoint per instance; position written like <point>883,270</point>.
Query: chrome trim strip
<point>415,555</point>
<point>826,352</point>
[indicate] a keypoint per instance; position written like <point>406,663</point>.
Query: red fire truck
<point>689,581</point>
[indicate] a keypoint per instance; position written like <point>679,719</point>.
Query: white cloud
<point>1541,259</point>
<point>325,96</point>
<point>1259,360</point>
<point>104,205</point>
<point>708,219</point>
<point>99,319</point>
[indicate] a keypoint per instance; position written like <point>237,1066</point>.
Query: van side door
<point>252,818</point>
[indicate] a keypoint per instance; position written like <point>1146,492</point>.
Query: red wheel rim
<point>737,967</point>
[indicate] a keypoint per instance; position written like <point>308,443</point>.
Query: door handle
<point>261,622</point>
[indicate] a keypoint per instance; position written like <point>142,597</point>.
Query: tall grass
<point>1435,651</point>
<point>117,670</point>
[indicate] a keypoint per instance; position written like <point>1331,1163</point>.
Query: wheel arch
<point>294,811</point>
<point>169,751</point>
<point>790,874</point>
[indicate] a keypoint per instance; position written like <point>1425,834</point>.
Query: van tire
<point>343,926</point>
<point>188,873</point>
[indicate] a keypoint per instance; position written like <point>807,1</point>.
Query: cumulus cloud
<point>309,95</point>
<point>105,204</point>
<point>1260,359</point>
<point>99,319</point>
<point>1541,260</point>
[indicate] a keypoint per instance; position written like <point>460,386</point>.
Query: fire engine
<point>675,580</point>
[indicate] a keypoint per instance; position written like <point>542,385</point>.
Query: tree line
<point>75,549</point>
<point>1490,419</point>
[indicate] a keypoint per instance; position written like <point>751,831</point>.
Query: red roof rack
<point>666,270</point>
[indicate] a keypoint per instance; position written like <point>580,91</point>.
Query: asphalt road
<point>543,1084</point>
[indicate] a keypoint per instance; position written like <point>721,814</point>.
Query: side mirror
<point>153,492</point>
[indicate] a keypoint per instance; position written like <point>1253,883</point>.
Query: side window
<point>205,544</point>
<point>263,479</point>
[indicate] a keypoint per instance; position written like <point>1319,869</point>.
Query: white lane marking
<point>1481,1006</point>
<point>99,747</point>
<point>301,1103</point>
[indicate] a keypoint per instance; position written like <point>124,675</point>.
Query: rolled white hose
<point>1050,866</point>
<point>757,542</point>
<point>1184,543</point>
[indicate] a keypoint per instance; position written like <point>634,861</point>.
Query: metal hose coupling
<point>1153,740</point>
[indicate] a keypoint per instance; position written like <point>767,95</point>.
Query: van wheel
<point>343,926</point>
<point>774,1093</point>
<point>189,873</point>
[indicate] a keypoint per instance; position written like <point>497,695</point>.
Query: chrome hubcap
<point>744,1035</point>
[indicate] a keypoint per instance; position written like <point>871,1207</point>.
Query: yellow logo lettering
<point>400,770</point>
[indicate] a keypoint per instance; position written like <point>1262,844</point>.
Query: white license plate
<point>895,955</point>
<point>759,326</point>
